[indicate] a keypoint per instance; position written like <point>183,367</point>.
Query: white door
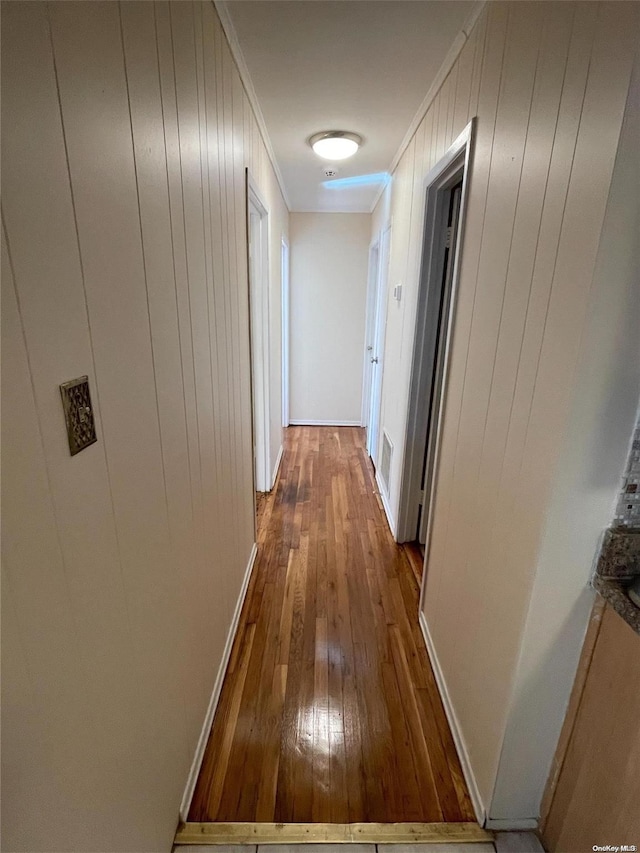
<point>285,333</point>
<point>259,314</point>
<point>369,332</point>
<point>377,352</point>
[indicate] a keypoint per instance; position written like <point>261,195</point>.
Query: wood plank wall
<point>125,134</point>
<point>547,83</point>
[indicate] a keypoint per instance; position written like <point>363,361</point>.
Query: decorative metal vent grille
<point>385,460</point>
<point>78,414</point>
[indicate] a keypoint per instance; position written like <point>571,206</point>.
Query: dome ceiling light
<point>335,144</point>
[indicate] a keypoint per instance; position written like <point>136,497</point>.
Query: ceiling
<point>358,65</point>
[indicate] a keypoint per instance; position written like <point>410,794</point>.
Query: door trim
<point>445,174</point>
<point>259,342</point>
<point>284,257</point>
<point>369,332</point>
<point>379,335</point>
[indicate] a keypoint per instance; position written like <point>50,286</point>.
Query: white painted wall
<point>548,83</point>
<point>126,132</point>
<point>329,260</point>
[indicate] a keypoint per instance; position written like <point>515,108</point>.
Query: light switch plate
<point>78,414</point>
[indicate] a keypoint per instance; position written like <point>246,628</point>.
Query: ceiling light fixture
<point>335,144</point>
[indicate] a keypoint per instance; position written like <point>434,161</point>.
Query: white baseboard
<point>324,423</point>
<point>277,466</point>
<point>385,504</point>
<point>507,825</point>
<point>461,748</point>
<point>215,694</point>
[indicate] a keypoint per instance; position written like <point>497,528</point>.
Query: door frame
<point>284,257</point>
<point>259,325</point>
<point>369,331</point>
<point>379,334</point>
<point>455,164</point>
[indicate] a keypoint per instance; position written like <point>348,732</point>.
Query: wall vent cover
<point>385,460</point>
<point>78,414</point>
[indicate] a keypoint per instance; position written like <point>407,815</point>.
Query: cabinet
<point>596,799</point>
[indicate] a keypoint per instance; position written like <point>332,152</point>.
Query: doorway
<point>285,331</point>
<point>374,340</point>
<point>369,333</point>
<point>445,194</point>
<point>449,237</point>
<point>257,217</point>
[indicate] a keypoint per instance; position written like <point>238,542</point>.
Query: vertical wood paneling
<point>37,205</point>
<point>464,68</point>
<point>139,39</point>
<point>226,129</point>
<point>490,72</point>
<point>453,95</point>
<point>95,111</point>
<point>417,208</point>
<point>214,502</point>
<point>540,78</point>
<point>575,81</point>
<point>480,31</point>
<point>181,276</point>
<point>533,187</point>
<point>242,290</point>
<point>126,133</point>
<point>35,582</point>
<point>218,320</point>
<point>190,164</point>
<point>512,119</point>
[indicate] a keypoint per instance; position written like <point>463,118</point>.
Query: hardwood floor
<point>262,500</point>
<point>415,556</point>
<point>329,711</point>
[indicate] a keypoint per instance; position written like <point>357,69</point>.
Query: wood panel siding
<point>547,83</point>
<point>125,134</point>
<point>329,711</point>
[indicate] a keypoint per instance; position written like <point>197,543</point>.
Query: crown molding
<point>449,61</point>
<point>236,52</point>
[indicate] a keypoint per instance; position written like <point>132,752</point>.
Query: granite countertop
<point>618,565</point>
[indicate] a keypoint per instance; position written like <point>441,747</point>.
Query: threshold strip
<point>331,833</point>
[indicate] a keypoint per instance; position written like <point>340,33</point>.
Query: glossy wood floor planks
<point>329,711</point>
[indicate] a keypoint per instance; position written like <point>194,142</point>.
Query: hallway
<point>329,711</point>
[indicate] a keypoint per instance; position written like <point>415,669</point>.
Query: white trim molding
<point>385,503</point>
<point>370,312</point>
<point>285,288</point>
<point>304,422</point>
<point>215,693</point>
<point>260,327</point>
<point>454,725</point>
<point>243,71</point>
